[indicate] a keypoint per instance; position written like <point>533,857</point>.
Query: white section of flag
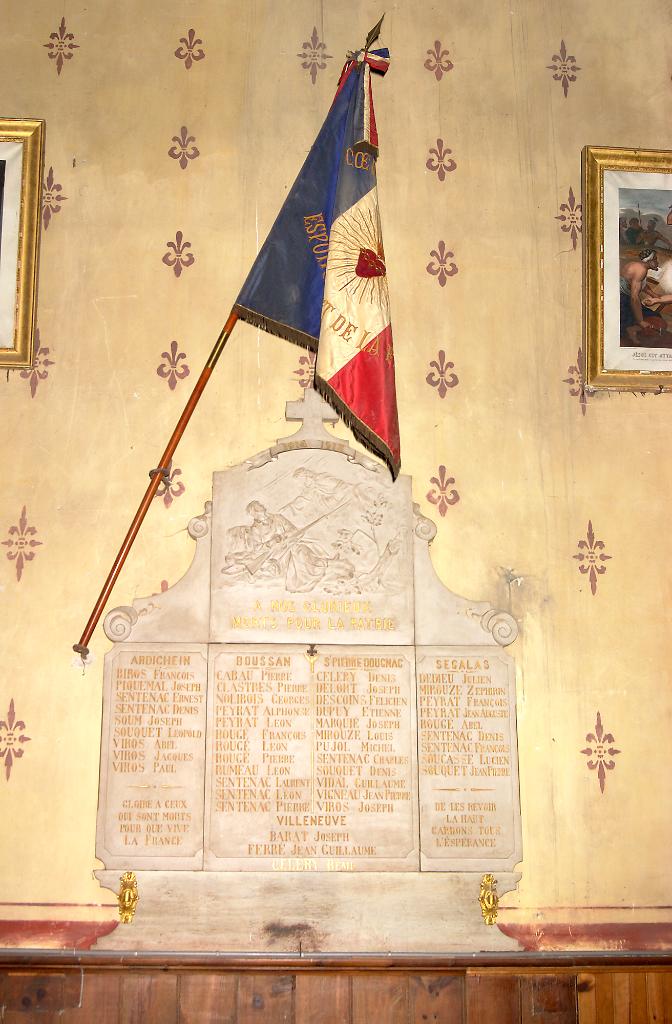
<point>356,307</point>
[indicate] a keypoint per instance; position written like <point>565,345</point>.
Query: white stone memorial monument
<point>309,743</point>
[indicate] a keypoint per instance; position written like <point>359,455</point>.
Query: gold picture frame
<point>21,165</point>
<point>627,212</point>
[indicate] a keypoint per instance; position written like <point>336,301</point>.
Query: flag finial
<point>373,35</point>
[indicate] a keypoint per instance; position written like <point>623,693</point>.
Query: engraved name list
<point>311,765</point>
<point>468,763</point>
<point>154,726</point>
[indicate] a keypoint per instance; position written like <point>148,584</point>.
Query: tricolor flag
<point>320,278</point>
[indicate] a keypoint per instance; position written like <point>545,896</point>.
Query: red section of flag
<point>366,386</point>
<point>373,130</point>
<point>345,73</point>
<point>377,62</point>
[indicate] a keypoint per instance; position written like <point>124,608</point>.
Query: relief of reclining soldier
<point>276,545</point>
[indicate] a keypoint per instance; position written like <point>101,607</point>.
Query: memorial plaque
<point>150,812</point>
<point>315,548</point>
<point>309,698</point>
<point>311,760</point>
<point>467,760</point>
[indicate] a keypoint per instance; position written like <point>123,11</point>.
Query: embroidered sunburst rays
<point>357,257</point>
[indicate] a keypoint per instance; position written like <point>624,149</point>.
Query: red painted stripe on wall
<point>53,934</point>
<point>643,936</point>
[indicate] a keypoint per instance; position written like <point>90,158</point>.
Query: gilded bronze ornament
<point>128,897</point>
<point>488,899</point>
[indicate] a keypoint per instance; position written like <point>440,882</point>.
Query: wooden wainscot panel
<point>548,999</point>
<point>383,998</point>
<point>266,999</point>
<point>493,999</point>
<point>205,998</point>
<point>26,993</point>
<point>148,998</point>
<point>324,998</point>
<point>437,998</point>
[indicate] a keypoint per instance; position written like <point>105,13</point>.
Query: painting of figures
<point>627,268</point>
<point>645,265</point>
<point>21,161</point>
<point>2,203</point>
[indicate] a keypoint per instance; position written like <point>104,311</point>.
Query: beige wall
<point>530,467</point>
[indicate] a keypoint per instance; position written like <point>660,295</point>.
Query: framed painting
<point>627,268</point>
<point>21,160</point>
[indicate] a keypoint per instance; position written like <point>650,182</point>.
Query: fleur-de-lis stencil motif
<point>570,218</point>
<point>183,151</point>
<point>313,56</point>
<point>441,378</point>
<point>39,370</point>
<point>179,259</point>
<point>439,266</point>
<point>61,45</point>
<point>305,372</point>
<point>601,753</point>
<point>170,369</point>
<point>564,67</point>
<point>52,197</point>
<point>191,49</point>
<point>21,544</point>
<point>443,495</point>
<point>592,557</point>
<point>441,161</point>
<point>438,61</point>
<point>577,385</point>
<point>170,488</point>
<point>12,739</point>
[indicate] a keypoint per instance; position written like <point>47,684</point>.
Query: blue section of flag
<point>284,290</point>
<point>357,173</point>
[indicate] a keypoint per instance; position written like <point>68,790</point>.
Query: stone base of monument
<point>372,912</point>
<point>309,742</point>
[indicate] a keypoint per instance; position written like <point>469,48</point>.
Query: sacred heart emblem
<point>357,257</point>
<point>369,264</point>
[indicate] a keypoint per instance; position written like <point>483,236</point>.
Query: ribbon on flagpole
<point>366,132</point>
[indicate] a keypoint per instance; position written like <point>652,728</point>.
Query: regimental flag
<point>320,278</point>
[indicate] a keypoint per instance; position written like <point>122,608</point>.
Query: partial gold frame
<point>30,133</point>
<point>595,160</point>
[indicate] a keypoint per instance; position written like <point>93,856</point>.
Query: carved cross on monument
<point>313,412</point>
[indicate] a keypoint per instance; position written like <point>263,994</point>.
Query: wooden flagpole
<point>157,475</point>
